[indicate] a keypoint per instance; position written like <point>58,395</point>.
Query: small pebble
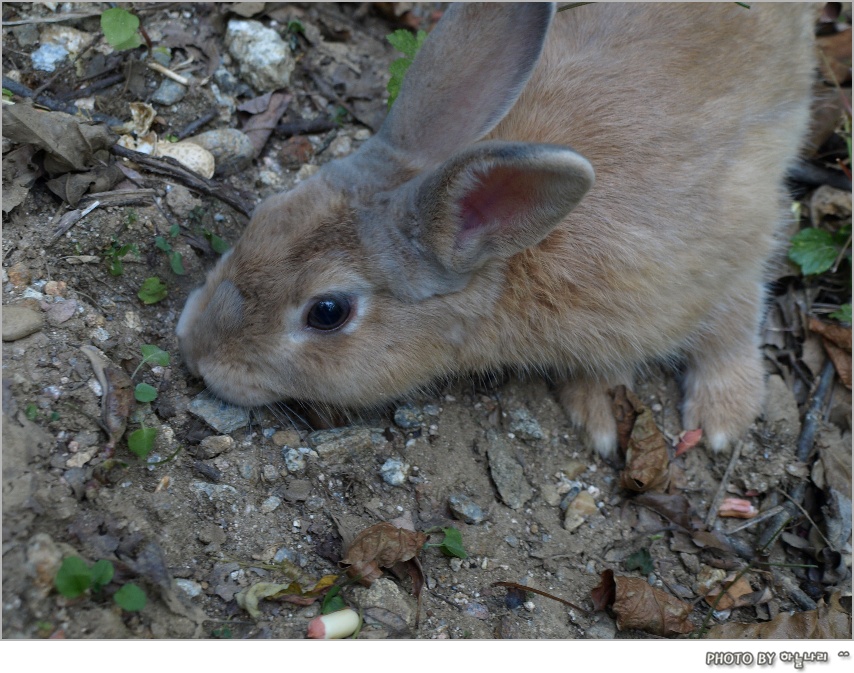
<point>19,322</point>
<point>408,416</point>
<point>270,504</point>
<point>295,459</point>
<point>394,472</point>
<point>465,509</point>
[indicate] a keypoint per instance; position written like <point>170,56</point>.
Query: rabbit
<point>579,193</point>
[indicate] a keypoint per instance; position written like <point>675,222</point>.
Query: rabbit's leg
<point>724,384</point>
<point>589,406</point>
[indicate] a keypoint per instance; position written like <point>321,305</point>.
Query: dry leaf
<point>381,546</point>
<point>675,508</point>
<point>290,592</point>
<point>626,407</point>
<point>826,621</point>
<point>647,462</point>
<point>841,361</point>
<point>839,335</point>
<point>117,400</point>
<point>637,605</point>
<point>836,49</point>
<point>732,598</point>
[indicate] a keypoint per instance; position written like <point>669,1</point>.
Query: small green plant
<point>152,291</point>
<point>121,29</point>
<point>115,254</point>
<point>843,314</point>
<point>451,544</point>
<point>332,601</point>
<point>640,560</point>
<point>154,356</point>
<point>31,412</point>
<point>408,44</point>
<point>219,245</point>
<point>175,260</point>
<point>141,441</point>
<point>295,26</point>
<point>816,251</point>
<point>75,577</point>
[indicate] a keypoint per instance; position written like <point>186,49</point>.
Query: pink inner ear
<point>498,198</point>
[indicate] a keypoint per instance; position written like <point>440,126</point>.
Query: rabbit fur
<point>470,233</point>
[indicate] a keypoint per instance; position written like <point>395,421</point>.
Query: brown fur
<point>690,116</point>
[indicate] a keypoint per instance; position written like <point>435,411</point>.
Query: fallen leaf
<point>836,49</point>
<point>675,508</point>
<point>826,621</point>
<point>117,400</point>
<point>841,361</point>
<point>625,406</point>
<point>290,592</point>
<point>259,127</point>
<point>380,546</point>
<point>19,174</point>
<point>637,605</point>
<point>733,593</point>
<point>70,143</point>
<point>647,462</point>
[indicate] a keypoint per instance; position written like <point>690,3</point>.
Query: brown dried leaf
<point>626,407</point>
<point>688,439</point>
<point>647,461</point>
<point>637,605</point>
<point>19,174</point>
<point>836,49</point>
<point>70,143</point>
<point>259,127</point>
<point>117,400</point>
<point>839,335</point>
<point>675,508</point>
<point>841,361</point>
<point>733,596</point>
<point>826,621</point>
<point>381,546</point>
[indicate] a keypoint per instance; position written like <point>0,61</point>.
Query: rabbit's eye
<point>328,313</point>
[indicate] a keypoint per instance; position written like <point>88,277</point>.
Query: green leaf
<point>332,602</point>
<point>154,355</point>
<point>144,392</point>
<point>130,597</point>
<point>31,412</point>
<point>152,291</point>
<point>219,245</point>
<point>120,28</point>
<point>814,250</point>
<point>405,42</point>
<point>174,230</point>
<point>640,560</point>
<point>452,545</point>
<point>141,442</point>
<point>295,26</point>
<point>73,577</point>
<point>162,243</point>
<point>102,573</point>
<point>176,263</point>
<point>842,315</point>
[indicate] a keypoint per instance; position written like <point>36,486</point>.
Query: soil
<point>204,518</point>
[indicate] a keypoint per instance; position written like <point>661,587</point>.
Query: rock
<point>181,200</point>
<point>286,438</point>
<point>507,474</point>
<point>550,495</point>
<point>385,596</point>
<point>265,59</point>
<point>465,509</point>
<point>169,92</point>
<point>215,492</point>
<point>270,504</point>
<point>524,425</point>
<point>578,510</point>
<point>61,311</point>
<point>408,417</point>
<point>296,490</point>
<point>340,440</point>
<point>295,459</point>
<point>221,416</point>
<point>19,322</point>
<point>211,447</point>
<point>604,628</point>
<point>232,149</point>
<point>394,472</point>
<point>189,587</point>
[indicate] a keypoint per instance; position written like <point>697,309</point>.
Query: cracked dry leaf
<point>117,400</point>
<point>647,463</point>
<point>626,407</point>
<point>381,546</point>
<point>826,621</point>
<point>734,593</point>
<point>70,144</point>
<point>637,605</point>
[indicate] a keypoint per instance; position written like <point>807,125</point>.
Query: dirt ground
<point>211,513</point>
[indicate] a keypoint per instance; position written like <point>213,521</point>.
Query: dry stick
<point>37,92</point>
<point>712,516</point>
<point>305,126</point>
<point>192,180</point>
<point>772,531</point>
<point>522,587</point>
<point>100,85</point>
<point>52,104</point>
<point>193,126</point>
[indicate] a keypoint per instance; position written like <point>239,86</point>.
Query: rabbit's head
<point>381,271</point>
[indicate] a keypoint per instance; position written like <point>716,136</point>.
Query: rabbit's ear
<point>466,77</point>
<point>496,199</point>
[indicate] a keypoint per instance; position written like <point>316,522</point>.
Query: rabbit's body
<point>456,255</point>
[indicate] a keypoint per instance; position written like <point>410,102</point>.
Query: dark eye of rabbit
<point>328,313</point>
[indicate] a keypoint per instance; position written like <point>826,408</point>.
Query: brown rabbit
<point>457,239</point>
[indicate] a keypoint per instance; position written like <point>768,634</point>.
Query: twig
<point>93,88</point>
<point>767,514</point>
<point>305,126</point>
<point>52,104</point>
<point>712,515</point>
<point>154,65</point>
<point>38,91</point>
<point>170,167</point>
<point>777,525</point>
<point>522,587</point>
<point>806,514</point>
<point>69,220</point>
<point>196,124</point>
